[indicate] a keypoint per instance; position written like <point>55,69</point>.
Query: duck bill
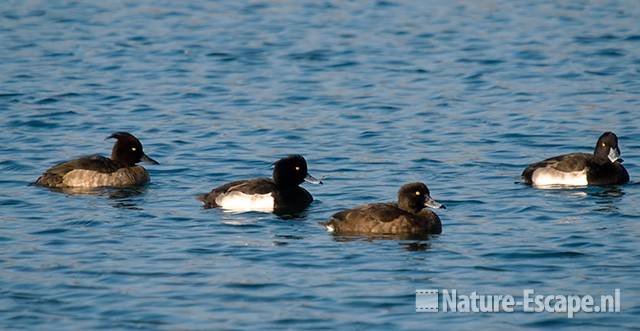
<point>147,159</point>
<point>614,154</point>
<point>433,204</point>
<point>312,180</point>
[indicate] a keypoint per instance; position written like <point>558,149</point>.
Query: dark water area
<point>460,95</point>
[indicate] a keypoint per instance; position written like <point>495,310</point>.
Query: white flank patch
<point>241,202</point>
<point>550,176</point>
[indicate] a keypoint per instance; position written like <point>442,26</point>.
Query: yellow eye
<point>603,144</point>
<point>297,168</point>
<point>133,149</point>
<point>417,192</point>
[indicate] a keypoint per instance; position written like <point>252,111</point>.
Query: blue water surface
<point>460,95</point>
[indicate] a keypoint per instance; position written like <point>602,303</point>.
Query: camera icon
<point>427,301</point>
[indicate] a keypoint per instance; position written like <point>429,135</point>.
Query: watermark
<point>449,300</point>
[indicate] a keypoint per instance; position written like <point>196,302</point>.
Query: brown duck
<point>99,171</point>
<point>407,216</point>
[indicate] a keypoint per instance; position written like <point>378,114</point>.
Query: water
<point>459,95</point>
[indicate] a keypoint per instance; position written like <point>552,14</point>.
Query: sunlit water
<point>461,95</point>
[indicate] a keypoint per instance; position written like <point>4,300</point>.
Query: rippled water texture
<point>461,95</point>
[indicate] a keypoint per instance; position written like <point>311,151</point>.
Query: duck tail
<point>527,174</point>
<point>202,197</point>
<point>328,225</point>
<point>48,180</point>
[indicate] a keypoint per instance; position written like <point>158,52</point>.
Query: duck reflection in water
<point>123,197</point>
<point>409,242</point>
